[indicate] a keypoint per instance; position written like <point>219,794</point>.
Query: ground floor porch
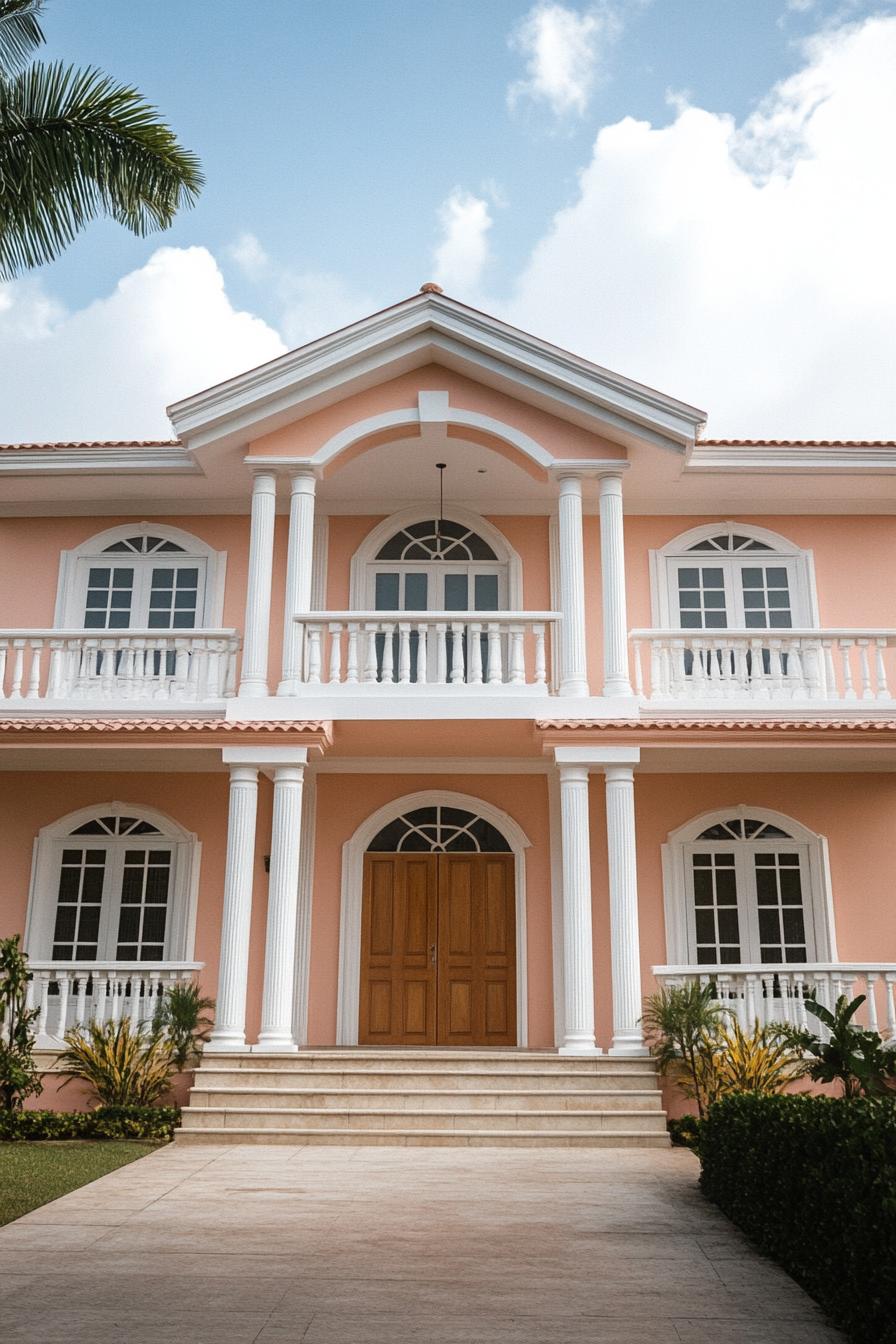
<point>330,899</point>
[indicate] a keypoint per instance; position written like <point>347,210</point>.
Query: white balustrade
<point>778,993</point>
<point>764,667</point>
<point>434,648</point>
<point>188,666</point>
<point>70,993</point>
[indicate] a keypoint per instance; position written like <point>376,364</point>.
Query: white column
<point>573,671</point>
<point>612,569</point>
<point>624,942</point>
<point>230,1013</point>
<point>578,960</point>
<point>277,1004</point>
<point>254,679</point>
<point>298,574</point>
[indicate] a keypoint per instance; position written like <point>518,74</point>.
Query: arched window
<point>141,577</point>
<point>747,886</point>
<point>728,576</point>
<point>113,883</point>
<point>439,830</point>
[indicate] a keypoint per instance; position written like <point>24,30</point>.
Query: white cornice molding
<point>432,322</point>
<point>175,461</point>
<point>768,459</point>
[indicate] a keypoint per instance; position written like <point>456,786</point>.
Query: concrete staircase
<point>474,1098</point>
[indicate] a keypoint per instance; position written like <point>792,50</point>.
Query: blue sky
<point>355,149</point>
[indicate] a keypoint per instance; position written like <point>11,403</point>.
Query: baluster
<point>848,688</point>
<point>871,980</point>
<point>3,647</point>
<point>156,994</point>
<point>230,670</point>
<point>495,654</point>
<point>126,670</point>
<point>422,651</point>
<point>181,665</point>
<point>314,655</point>
<point>18,669</point>
<point>831,690</point>
<point>441,654</point>
<point>54,670</point>
<point>776,670</point>
<point>404,653</point>
<point>100,997</point>
<point>62,986</point>
<point>784,987</point>
<point>196,674</point>
<point>760,681</point>
<point>517,657</point>
<point>636,667</point>
<point>741,668</point>
<point>865,669</point>
<point>750,998</point>
<point>794,674</point>
<point>799,990</point>
<point>890,981</point>
<point>370,664</point>
<point>107,651</point>
<point>883,690</point>
<point>81,1003</point>
<point>335,674</point>
<point>475,653</point>
<point>116,993</point>
<point>701,669</point>
<point>33,692</point>
<point>43,1002</point>
<point>812,670</point>
<point>678,678</point>
<point>388,672</point>
<point>659,669</point>
<point>541,661</point>
<point>457,653</point>
<point>351,655</point>
<point>213,670</point>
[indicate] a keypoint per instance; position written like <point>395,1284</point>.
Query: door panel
<point>438,950</point>
<point>398,933</point>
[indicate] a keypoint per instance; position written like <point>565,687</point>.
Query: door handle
<point>432,954</point>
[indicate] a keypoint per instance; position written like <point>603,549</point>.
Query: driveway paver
<point>385,1245</point>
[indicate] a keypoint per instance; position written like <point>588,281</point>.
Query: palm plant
<point>122,1065</point>
<point>679,1022</point>
<point>763,1060</point>
<point>19,1077</point>
<point>74,145</point>
<point>852,1056</point>
<point>181,1018</point>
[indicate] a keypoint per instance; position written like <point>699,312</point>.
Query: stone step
<point>212,1075</point>
<point>270,1118</point>
<point>490,1100</point>
<point>443,1060</point>
<point>621,1138</point>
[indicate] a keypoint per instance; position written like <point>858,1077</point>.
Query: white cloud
<point>249,256</point>
<point>108,370</point>
<point>563,50</point>
<point>748,269</point>
<point>459,259</point>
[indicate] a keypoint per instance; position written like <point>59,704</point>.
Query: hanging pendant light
<point>440,468</point>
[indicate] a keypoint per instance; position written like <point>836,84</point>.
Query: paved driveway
<point>385,1245</point>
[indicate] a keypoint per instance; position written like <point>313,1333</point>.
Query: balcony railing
<point>187,666</point>
<point>67,993</point>
<point>432,649</point>
<point>778,993</point>
<point>764,667</point>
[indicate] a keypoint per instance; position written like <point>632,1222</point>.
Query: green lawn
<point>32,1174</point>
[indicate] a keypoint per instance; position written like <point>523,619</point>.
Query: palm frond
<point>20,33</point>
<point>74,144</point>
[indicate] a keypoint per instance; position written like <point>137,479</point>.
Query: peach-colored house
<point>435,687</point>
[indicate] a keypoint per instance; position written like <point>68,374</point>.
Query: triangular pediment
<point>431,328</point>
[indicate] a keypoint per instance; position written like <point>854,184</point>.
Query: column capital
<point>585,468</point>
<point>264,481</point>
<point>284,466</point>
<point>266,759</point>
<point>303,480</point>
<point>573,774</point>
<point>619,774</point>
<point>243,774</point>
<point>597,758</point>
<point>610,483</point>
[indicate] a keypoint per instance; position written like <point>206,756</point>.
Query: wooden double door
<point>438,950</point>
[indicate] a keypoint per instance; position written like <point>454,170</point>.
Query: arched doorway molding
<point>353,852</point>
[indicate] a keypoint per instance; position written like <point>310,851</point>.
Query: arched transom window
<point>140,578</point>
<point>111,887</point>
<point>439,830</point>
<point>748,890</point>
<point>437,565</point>
<point>734,578</point>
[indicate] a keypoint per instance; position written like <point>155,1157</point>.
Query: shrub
<point>685,1132</point>
<point>122,1065</point>
<point>812,1181</point>
<point>181,1019</point>
<point>19,1077</point>
<point>852,1056</point>
<point>106,1122</point>
<point>677,1021</point>
<point>763,1060</point>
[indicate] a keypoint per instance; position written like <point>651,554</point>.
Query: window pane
<point>456,588</point>
<point>386,592</point>
<point>486,592</point>
<point>415,592</point>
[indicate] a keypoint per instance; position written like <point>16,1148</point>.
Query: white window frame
<point>75,565</point>
<point>665,563</point>
<point>678,890</point>
<point>365,564</point>
<point>185,847</point>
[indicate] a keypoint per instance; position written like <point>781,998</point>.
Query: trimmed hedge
<point>685,1132</point>
<point>106,1122</point>
<point>812,1181</point>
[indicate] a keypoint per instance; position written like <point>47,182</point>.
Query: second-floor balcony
<point>74,668</point>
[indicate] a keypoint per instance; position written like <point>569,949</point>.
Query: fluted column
<point>578,960</point>
<point>625,950</point>
<point>277,1005</point>
<point>612,569</point>
<point>233,967</point>
<point>298,574</point>
<point>254,679</point>
<point>573,670</point>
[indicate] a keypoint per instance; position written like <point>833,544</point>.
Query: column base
<point>275,1045</point>
<point>223,1045</point>
<point>629,1049</point>
<point>574,686</point>
<point>618,690</point>
<point>580,1048</point>
<point>290,686</point>
<point>252,689</point>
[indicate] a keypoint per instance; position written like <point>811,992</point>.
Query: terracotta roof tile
<point>197,725</point>
<point>713,725</point>
<point>796,443</point>
<point>74,444</point>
